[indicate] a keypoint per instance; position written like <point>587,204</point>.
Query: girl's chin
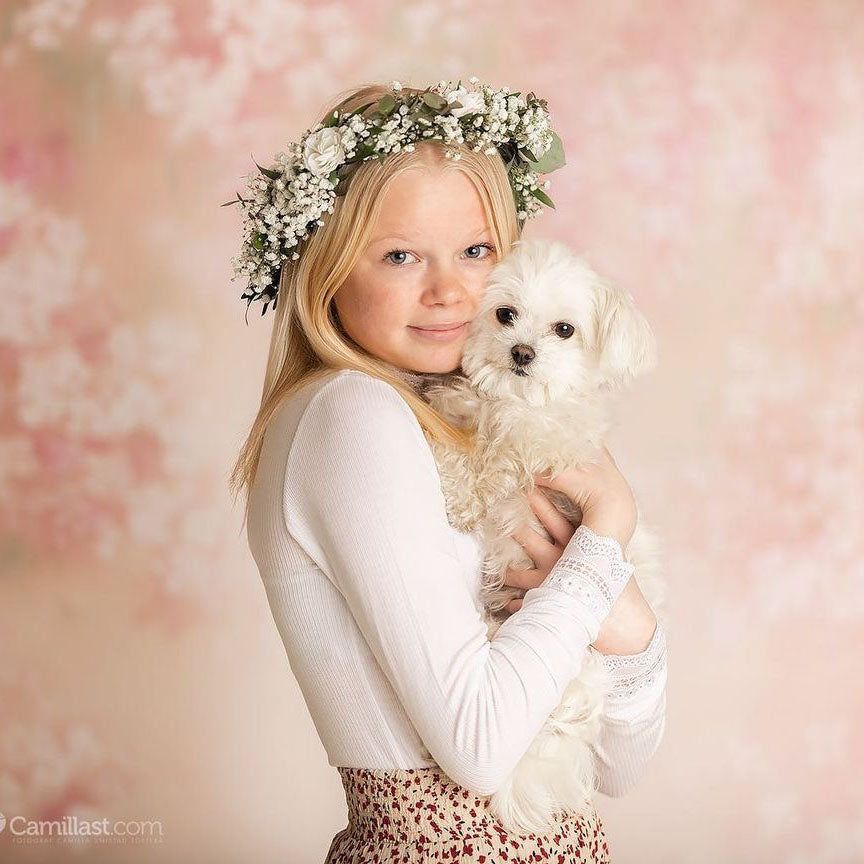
<point>435,362</point>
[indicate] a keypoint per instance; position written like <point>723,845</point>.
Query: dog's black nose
<point>522,354</point>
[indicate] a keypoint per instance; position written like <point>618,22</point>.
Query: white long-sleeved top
<point>377,600</point>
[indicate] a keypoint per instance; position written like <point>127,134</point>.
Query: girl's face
<point>420,279</point>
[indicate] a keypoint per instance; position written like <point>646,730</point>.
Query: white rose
<point>325,150</point>
<point>472,103</point>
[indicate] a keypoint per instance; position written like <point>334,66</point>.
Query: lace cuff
<point>635,677</point>
<point>593,570</point>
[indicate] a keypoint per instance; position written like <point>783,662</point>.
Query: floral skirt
<point>421,816</point>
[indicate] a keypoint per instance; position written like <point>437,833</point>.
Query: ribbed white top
<point>376,598</point>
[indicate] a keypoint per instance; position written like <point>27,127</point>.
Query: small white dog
<point>550,343</point>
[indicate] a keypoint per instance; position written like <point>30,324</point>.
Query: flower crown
<point>286,202</point>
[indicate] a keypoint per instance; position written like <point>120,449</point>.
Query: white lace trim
<point>591,568</point>
<point>633,673</point>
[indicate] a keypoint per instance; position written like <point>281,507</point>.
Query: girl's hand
<point>602,494</point>
<point>542,552</point>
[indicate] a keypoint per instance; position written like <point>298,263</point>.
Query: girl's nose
<point>446,289</point>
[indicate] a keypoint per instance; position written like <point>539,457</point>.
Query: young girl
<point>375,596</point>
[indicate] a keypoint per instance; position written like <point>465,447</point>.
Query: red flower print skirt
<point>420,816</point>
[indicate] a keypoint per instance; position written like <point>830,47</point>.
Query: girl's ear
<point>623,342</point>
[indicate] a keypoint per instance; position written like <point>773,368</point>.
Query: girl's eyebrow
<point>391,237</point>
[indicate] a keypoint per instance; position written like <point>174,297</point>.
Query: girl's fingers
<point>543,553</point>
<point>546,480</point>
<point>554,521</point>
<point>523,578</point>
<point>560,482</point>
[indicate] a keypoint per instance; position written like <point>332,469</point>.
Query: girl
<point>374,594</point>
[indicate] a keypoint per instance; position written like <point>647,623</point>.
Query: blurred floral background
<point>713,168</point>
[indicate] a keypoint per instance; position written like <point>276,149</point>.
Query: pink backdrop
<point>714,168</point>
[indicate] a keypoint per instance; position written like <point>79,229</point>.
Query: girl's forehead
<point>420,193</point>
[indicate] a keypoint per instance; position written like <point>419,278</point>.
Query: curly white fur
<point>538,393</point>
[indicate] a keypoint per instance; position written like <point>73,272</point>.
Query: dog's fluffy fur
<point>538,393</point>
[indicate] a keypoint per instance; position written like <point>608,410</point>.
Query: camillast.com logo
<point>74,829</point>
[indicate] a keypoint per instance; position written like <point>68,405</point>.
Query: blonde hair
<point>307,341</point>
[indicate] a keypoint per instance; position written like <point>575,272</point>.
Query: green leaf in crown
<point>386,105</point>
<point>540,195</point>
<point>435,101</point>
<point>551,160</point>
<point>269,172</point>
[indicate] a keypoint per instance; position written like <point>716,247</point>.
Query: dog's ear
<point>622,341</point>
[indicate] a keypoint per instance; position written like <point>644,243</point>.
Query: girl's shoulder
<point>348,386</point>
<point>337,396</point>
<point>360,421</point>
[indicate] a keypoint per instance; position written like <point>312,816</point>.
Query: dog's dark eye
<point>564,330</point>
<point>506,315</point>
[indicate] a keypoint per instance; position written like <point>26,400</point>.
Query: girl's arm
<point>634,716</point>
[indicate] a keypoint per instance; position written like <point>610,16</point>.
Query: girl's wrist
<point>606,526</point>
<point>627,631</point>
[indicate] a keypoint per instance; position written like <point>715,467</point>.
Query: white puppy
<point>551,342</point>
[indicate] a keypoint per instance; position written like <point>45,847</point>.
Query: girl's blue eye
<point>488,246</point>
<point>395,252</point>
<point>387,259</point>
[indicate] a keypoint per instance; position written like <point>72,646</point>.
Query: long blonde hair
<point>307,340</point>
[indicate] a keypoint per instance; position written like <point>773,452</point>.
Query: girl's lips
<point>439,335</point>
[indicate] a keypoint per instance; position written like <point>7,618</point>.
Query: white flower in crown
<point>326,149</point>
<point>472,103</point>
